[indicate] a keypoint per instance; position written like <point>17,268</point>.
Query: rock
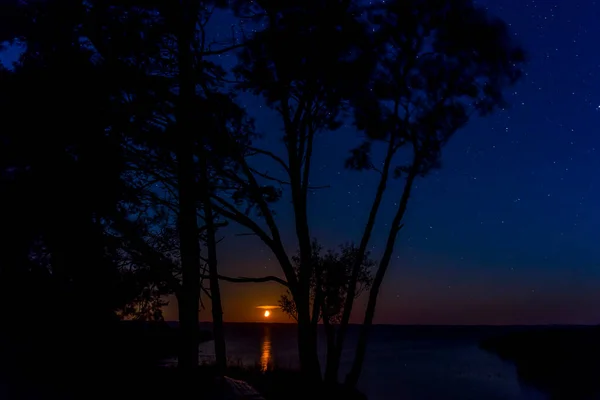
<point>233,389</point>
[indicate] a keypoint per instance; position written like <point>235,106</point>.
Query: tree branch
<point>266,212</point>
<point>307,160</point>
<point>206,292</point>
<point>230,211</point>
<point>242,279</point>
<point>278,159</point>
<point>266,176</point>
<point>223,50</point>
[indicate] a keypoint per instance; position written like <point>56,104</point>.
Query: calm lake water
<point>403,362</point>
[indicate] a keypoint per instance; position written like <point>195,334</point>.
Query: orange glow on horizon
<point>267,307</point>
<point>267,313</point>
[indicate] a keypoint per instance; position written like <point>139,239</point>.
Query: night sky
<point>507,232</point>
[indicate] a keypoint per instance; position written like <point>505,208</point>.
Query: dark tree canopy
<point>440,62</point>
<point>124,147</point>
<point>57,164</point>
<point>307,60</point>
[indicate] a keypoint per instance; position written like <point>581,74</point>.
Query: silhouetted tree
<point>152,112</point>
<point>329,282</point>
<point>177,123</point>
<point>63,182</point>
<point>329,287</point>
<point>142,48</point>
<point>304,64</point>
<point>433,64</point>
<point>440,63</point>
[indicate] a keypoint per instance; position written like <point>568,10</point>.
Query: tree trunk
<point>187,351</point>
<point>349,302</point>
<point>307,333</point>
<point>187,219</point>
<point>307,349</point>
<point>361,347</point>
<point>331,367</point>
<point>215,291</point>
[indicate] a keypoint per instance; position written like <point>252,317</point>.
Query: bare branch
<point>278,159</point>
<point>307,160</point>
<point>206,292</point>
<point>269,219</point>
<point>252,280</point>
<point>230,211</point>
<point>269,177</point>
<point>254,16</point>
<point>266,175</point>
<point>223,50</point>
<point>246,234</point>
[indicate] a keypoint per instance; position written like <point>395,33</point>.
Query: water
<point>403,362</point>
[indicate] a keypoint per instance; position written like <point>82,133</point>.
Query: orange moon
<point>267,313</point>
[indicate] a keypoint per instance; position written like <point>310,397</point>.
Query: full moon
<point>267,313</point>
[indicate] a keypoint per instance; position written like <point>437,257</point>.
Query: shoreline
<point>561,361</point>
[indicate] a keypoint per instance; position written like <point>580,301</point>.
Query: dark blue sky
<point>507,232</point>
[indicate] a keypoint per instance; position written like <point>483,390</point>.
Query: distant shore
<point>563,362</point>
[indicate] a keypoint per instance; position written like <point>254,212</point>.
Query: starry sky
<point>506,232</point>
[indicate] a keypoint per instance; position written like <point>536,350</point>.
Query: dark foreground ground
<point>74,363</point>
<point>561,361</point>
<point>167,383</point>
<point>126,365</point>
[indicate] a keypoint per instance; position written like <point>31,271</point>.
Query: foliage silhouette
<point>410,81</point>
<point>179,112</point>
<point>329,283</point>
<point>304,63</point>
<point>440,63</point>
<point>332,273</point>
<point>64,195</point>
<point>129,49</point>
<point>125,149</point>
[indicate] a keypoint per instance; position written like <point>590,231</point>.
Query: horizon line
<point>404,324</point>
